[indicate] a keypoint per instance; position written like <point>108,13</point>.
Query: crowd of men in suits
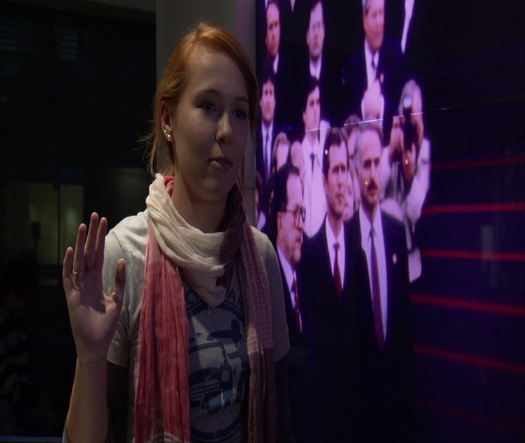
<point>343,172</point>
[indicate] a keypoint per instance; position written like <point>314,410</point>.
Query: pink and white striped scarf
<point>162,411</point>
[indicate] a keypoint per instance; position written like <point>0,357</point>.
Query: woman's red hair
<point>175,78</point>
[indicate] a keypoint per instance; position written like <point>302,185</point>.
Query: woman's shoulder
<point>267,252</point>
<point>263,243</point>
<point>130,234</point>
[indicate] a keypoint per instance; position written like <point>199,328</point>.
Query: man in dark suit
<point>325,291</point>
<point>380,338</point>
<point>321,63</point>
<point>288,213</point>
<point>287,216</point>
<point>406,23</point>
<point>372,76</point>
<point>268,127</point>
<point>324,280</point>
<point>268,33</point>
<point>278,62</point>
<point>272,38</point>
<point>398,20</point>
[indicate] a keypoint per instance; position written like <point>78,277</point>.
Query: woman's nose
<point>224,129</point>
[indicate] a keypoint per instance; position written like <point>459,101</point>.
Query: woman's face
<point>210,126</point>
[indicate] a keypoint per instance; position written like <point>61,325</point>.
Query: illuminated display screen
<point>390,178</point>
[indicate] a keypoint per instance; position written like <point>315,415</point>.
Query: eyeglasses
<point>299,212</point>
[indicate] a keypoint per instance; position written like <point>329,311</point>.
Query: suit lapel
<point>325,254</point>
<point>290,314</point>
<point>390,258</point>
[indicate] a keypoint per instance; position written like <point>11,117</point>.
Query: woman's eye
<point>208,106</point>
<point>241,113</point>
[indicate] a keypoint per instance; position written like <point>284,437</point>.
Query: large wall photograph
<point>390,161</point>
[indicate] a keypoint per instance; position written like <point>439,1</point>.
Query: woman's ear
<point>166,123</point>
<point>279,222</point>
<point>167,149</point>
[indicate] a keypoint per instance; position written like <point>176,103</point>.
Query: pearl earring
<point>167,134</point>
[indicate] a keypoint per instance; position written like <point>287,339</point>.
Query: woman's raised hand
<point>92,313</point>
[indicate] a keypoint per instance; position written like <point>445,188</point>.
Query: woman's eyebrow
<point>215,92</point>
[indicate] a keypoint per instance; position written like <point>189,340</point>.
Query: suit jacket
<point>326,321</point>
<point>394,18</point>
<point>416,44</point>
<point>329,86</point>
<point>389,70</point>
<point>324,315</point>
<point>299,373</point>
<point>293,330</point>
<point>380,393</point>
<point>259,151</point>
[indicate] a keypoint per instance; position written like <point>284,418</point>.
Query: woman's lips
<point>220,163</point>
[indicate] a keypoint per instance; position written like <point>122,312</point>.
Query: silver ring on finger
<point>77,275</point>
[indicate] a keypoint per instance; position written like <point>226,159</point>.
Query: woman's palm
<point>92,313</point>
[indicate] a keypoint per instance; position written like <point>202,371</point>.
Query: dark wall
<point>76,87</point>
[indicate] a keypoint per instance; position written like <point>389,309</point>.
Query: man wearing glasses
<point>289,213</point>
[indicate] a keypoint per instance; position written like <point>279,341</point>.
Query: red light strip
<point>475,255</point>
<point>483,421</point>
<point>515,160</point>
<point>476,207</point>
<point>446,302</point>
<point>470,359</point>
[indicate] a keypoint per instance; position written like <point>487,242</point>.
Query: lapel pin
<point>394,258</point>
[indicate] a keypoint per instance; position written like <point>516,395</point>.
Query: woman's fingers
<point>92,314</point>
<point>89,250</point>
<point>88,254</point>
<point>78,257</point>
<point>99,244</point>
<point>120,282</point>
<point>67,268</point>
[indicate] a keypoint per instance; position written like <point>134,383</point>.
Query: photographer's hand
<point>409,163</point>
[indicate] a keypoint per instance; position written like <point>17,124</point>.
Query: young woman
<point>178,314</point>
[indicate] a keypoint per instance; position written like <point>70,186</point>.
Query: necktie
<point>297,309</point>
<point>267,156</point>
<point>373,63</point>
<point>376,296</point>
<point>337,275</point>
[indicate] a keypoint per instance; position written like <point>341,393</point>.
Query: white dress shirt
<point>314,196</point>
<point>379,243</point>
<point>267,147</point>
<point>315,68</point>
<point>371,77</point>
<point>371,72</point>
<point>275,64</point>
